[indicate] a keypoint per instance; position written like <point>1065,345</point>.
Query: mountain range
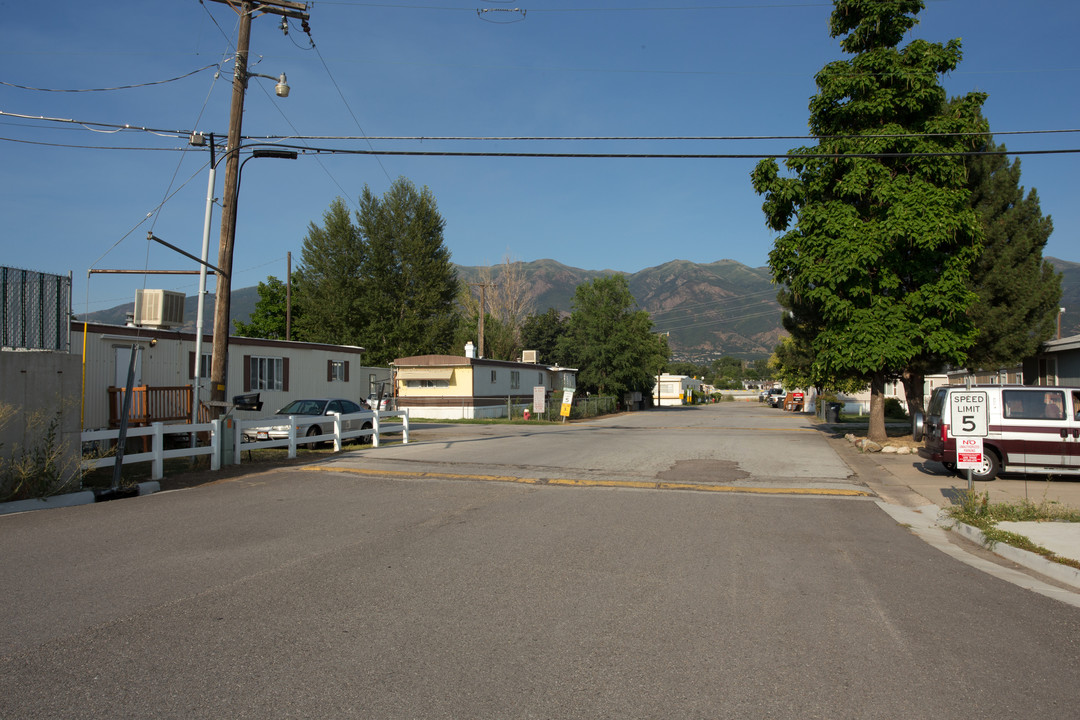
<point>708,310</point>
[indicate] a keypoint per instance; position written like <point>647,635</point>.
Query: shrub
<point>894,410</point>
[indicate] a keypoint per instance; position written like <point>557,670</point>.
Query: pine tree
<point>410,285</point>
<point>329,287</point>
<point>1019,291</point>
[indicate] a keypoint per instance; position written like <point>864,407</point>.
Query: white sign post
<point>969,422</point>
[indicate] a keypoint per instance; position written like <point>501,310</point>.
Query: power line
<point>553,138</point>
<point>109,89</point>
<point>546,138</point>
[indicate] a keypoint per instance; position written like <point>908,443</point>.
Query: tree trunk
<point>876,432</point>
<point>914,380</point>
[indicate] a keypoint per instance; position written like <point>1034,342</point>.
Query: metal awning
<point>431,373</point>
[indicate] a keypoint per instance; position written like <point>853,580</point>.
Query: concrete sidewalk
<point>916,483</point>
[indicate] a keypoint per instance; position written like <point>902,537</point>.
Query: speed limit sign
<point>969,413</point>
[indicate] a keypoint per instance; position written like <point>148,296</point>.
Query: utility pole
<point>483,311</point>
<point>223,290</point>
<point>288,295</point>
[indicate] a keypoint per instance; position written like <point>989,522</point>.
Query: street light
<point>220,339</point>
<point>246,10</point>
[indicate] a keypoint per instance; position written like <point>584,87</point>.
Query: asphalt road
<point>500,571</point>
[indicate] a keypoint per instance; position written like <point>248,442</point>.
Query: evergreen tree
<point>542,333</point>
<point>1019,291</point>
<point>328,283</point>
<point>410,284</point>
<point>878,233</point>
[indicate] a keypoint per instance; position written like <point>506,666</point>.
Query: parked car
<point>773,397</point>
<point>1029,429</point>
<point>277,426</point>
<point>386,403</point>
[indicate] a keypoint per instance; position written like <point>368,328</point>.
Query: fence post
<point>375,430</point>
<point>157,445</point>
<point>238,439</point>
<point>337,432</point>
<point>215,444</point>
<point>405,428</point>
<point>292,437</point>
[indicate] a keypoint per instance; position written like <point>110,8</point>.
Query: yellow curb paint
<point>572,482</point>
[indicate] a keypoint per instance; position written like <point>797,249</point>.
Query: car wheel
<point>312,432</point>
<point>989,468</point>
<point>365,438</point>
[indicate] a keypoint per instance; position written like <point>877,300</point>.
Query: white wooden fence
<point>157,455</point>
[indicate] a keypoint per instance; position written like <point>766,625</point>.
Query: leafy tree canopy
<point>878,236</point>
<point>610,342</point>
<point>269,319</point>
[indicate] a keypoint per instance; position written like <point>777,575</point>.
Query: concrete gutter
<point>83,497</point>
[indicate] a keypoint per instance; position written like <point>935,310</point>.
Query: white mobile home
<point>165,360</point>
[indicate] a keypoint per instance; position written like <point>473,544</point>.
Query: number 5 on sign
<point>567,402</point>
<point>969,414</point>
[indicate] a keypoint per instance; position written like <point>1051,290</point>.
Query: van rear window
<point>1042,404</point>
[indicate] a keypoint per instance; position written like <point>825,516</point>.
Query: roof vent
<point>529,356</point>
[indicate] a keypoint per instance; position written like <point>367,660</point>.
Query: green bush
<point>894,410</point>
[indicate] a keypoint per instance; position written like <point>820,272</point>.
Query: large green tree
<point>542,333</point>
<point>269,319</point>
<point>1018,290</point>
<point>329,287</point>
<point>878,234</point>
<point>610,341</point>
<point>410,285</point>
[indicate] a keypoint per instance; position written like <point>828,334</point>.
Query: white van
<point>1031,429</point>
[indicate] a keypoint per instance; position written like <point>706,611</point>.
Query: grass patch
<point>975,509</point>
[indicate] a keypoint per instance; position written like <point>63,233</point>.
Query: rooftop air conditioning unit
<point>529,356</point>
<point>159,308</point>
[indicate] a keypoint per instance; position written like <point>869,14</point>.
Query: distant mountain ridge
<point>708,309</point>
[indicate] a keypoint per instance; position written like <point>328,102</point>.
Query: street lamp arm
<point>150,236</point>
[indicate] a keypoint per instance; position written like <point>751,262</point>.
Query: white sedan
<point>277,426</point>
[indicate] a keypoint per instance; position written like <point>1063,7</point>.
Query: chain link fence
<point>35,310</point>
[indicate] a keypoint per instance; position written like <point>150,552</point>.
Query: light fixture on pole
<point>246,9</point>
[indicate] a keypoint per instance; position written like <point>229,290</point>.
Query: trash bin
<point>832,412</point>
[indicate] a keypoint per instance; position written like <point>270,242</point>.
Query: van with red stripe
<point>1031,429</point>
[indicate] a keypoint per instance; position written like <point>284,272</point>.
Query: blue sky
<point>439,68</point>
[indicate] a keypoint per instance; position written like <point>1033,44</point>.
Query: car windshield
<point>303,407</point>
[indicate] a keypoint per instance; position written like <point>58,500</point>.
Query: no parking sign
<point>969,453</point>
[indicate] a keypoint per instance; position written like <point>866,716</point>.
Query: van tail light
<point>944,433</point>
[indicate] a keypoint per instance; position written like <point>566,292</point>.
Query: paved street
<point>510,571</point>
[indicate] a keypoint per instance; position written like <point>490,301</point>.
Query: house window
<point>267,373</point>
<point>335,371</point>
<point>493,376</point>
<point>540,379</point>
<point>427,383</point>
<point>515,379</point>
<point>1047,371</point>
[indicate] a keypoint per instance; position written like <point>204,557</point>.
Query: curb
<point>1032,561</point>
<point>83,497</point>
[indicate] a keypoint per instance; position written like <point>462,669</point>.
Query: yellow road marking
<point>572,482</point>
